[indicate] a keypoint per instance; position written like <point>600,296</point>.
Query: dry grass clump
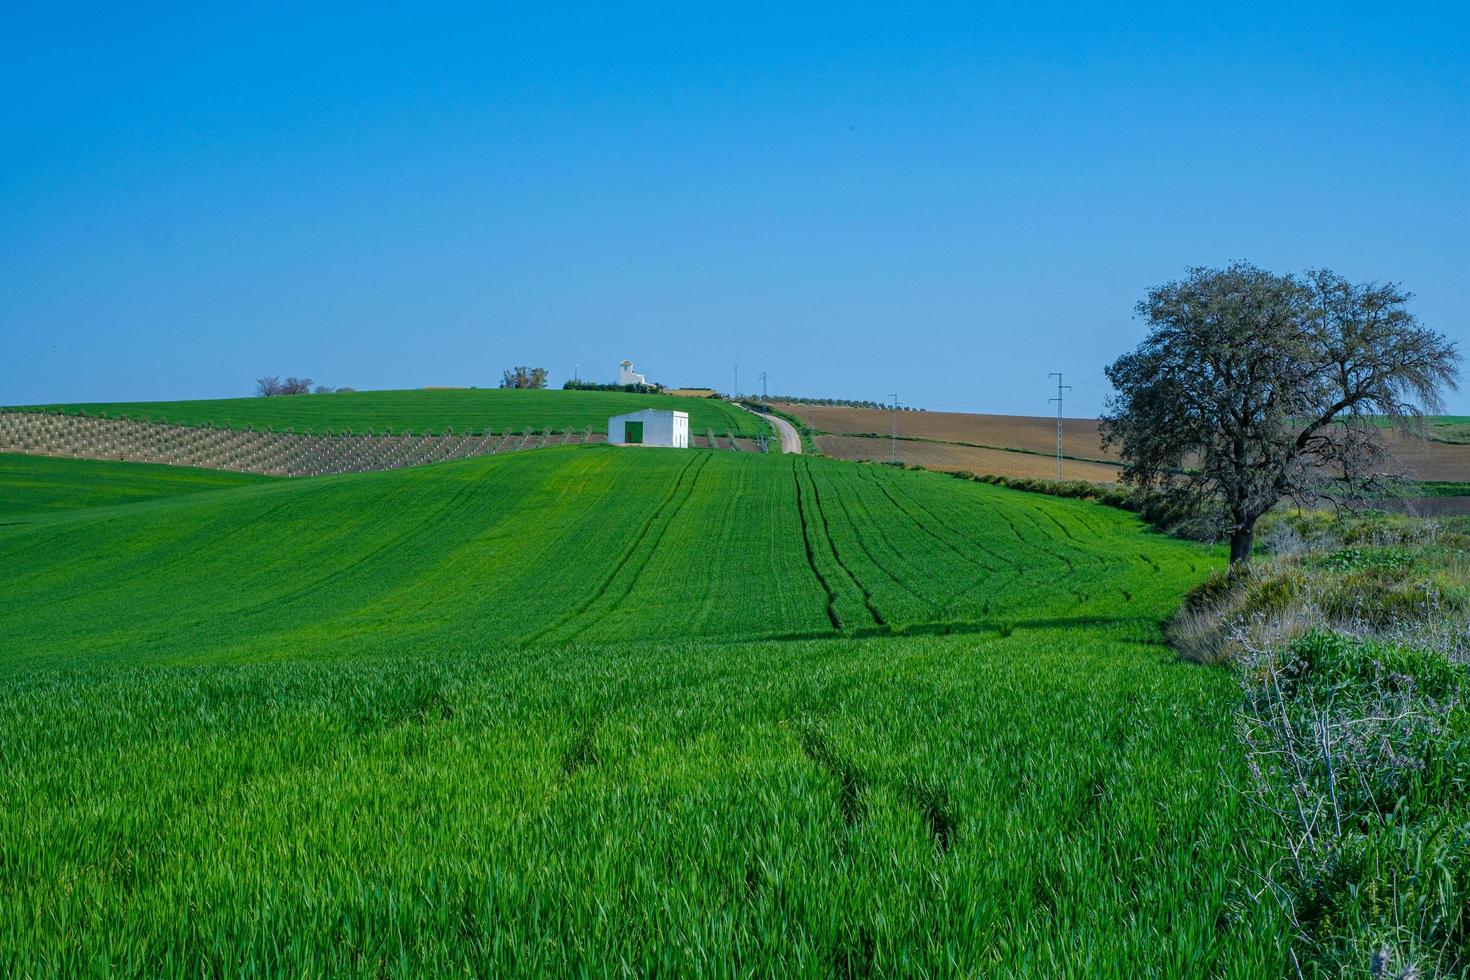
<point>1393,579</point>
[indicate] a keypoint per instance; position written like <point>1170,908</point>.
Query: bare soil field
<point>949,457</point>
<point>1032,433</point>
<point>1426,459</point>
<point>1432,460</point>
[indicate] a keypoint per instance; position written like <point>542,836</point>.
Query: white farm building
<point>650,427</point>
<point>627,376</point>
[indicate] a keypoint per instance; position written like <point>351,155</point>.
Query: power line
<point>895,429</point>
<point>1060,388</point>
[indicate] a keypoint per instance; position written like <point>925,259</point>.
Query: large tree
<point>1253,387</point>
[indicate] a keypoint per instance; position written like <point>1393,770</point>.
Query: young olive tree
<point>1252,387</point>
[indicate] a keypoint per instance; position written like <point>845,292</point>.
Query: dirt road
<point>790,438</point>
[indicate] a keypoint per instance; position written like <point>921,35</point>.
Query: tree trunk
<point>1241,540</point>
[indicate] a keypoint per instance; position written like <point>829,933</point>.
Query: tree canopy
<point>1253,387</point>
<point>523,377</point>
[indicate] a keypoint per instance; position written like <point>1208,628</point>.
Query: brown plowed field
<point>948,456</point>
<point>1428,460</point>
<point>1424,459</point>
<point>1035,434</point>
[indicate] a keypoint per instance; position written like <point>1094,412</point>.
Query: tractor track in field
<point>949,545</point>
<point>811,555</point>
<point>663,529</point>
<point>847,513</point>
<point>1060,526</point>
<point>854,786</point>
<point>1058,555</point>
<point>873,611</point>
<point>985,571</point>
<point>627,555</point>
<point>1051,538</point>
<point>1014,530</point>
<point>1019,570</point>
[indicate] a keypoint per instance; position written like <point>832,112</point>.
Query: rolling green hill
<point>590,709</point>
<point>41,484</point>
<point>581,546</point>
<point>423,411</point>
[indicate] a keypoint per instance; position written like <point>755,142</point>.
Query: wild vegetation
<point>426,412</point>
<point>434,720</point>
<point>1352,642</point>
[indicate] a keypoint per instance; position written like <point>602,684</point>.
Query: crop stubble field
<point>602,710</point>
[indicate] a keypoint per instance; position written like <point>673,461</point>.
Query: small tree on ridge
<point>524,377</point>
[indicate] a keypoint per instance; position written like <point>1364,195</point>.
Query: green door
<point>633,432</point>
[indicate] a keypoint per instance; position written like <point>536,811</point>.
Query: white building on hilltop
<point>627,376</point>
<point>650,427</point>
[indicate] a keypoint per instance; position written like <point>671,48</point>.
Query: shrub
<point>1359,751</point>
<point>647,389</point>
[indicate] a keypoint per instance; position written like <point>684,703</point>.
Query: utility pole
<point>764,378</point>
<point>894,441</point>
<point>736,392</point>
<point>1060,388</point>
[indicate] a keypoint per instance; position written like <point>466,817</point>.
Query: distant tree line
<point>272,385</point>
<point>594,386</point>
<point>523,377</point>
<point>840,402</point>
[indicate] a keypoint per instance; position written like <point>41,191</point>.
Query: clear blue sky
<point>945,203</point>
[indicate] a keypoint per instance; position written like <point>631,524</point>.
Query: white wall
<point>660,428</point>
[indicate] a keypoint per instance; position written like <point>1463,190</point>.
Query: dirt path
<point>790,438</point>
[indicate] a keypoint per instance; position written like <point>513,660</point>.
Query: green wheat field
<point>428,411</point>
<point>590,711</point>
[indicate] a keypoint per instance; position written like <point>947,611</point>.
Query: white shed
<point>650,427</point>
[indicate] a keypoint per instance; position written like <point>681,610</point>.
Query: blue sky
<point>947,202</point>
